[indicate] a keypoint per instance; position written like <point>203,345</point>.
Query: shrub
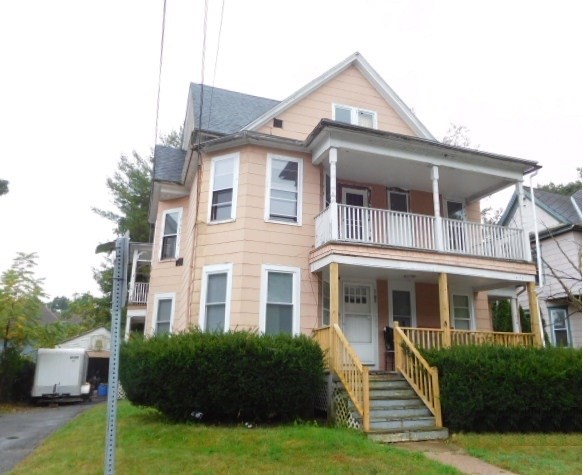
<point>227,377</point>
<point>18,377</point>
<point>498,389</point>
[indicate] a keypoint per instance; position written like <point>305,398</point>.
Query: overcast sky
<point>79,80</point>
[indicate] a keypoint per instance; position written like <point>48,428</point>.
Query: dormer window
<point>355,116</point>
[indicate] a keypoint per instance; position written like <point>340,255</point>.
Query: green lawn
<point>147,443</point>
<point>526,454</point>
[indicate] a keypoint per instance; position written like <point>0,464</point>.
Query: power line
<point>160,71</point>
<point>204,28</point>
<point>216,62</point>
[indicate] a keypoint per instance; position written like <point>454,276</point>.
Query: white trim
<point>407,287</point>
<point>356,191</point>
<point>462,293</point>
<point>178,230</point>
<point>354,114</point>
<point>551,323</point>
<point>418,266</point>
<point>397,192</point>
<point>296,272</point>
<point>234,186</point>
<point>209,270</point>
<point>447,200</point>
<point>300,162</point>
<point>157,298</point>
<point>357,60</point>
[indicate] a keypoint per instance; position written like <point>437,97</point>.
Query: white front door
<point>400,223</point>
<point>354,218</point>
<point>359,320</point>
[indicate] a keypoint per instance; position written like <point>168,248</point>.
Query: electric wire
<point>216,62</point>
<point>204,30</point>
<point>160,71</point>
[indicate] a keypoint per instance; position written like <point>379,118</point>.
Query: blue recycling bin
<point>102,390</point>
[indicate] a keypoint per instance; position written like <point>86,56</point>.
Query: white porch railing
<point>139,293</point>
<point>391,228</point>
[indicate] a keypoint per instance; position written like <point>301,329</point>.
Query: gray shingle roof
<point>231,111</point>
<point>168,163</point>
<point>559,206</point>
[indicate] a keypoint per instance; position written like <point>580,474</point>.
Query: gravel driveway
<point>21,432</point>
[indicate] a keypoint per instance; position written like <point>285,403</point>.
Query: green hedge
<point>498,389</point>
<point>17,378</point>
<point>236,376</point>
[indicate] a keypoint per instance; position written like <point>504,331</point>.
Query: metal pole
<point>117,303</point>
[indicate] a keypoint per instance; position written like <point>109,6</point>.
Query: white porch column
<point>135,258</point>
<point>436,208</point>
<point>333,159</point>
<point>526,240</point>
<point>516,328</point>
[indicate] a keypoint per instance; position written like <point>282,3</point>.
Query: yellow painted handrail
<point>322,337</point>
<point>353,374</point>
<point>423,378</point>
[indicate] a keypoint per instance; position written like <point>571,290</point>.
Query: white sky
<point>78,84</point>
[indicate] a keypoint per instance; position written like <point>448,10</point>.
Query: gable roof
<point>231,110</point>
<point>561,207</point>
<point>168,163</point>
<point>358,61</point>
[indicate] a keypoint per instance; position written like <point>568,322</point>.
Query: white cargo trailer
<point>60,374</point>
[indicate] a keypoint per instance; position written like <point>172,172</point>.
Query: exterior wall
<point>421,202</point>
<point>349,88</point>
<point>543,219</point>
<point>383,317</point>
<point>165,275</point>
<point>249,241</point>
<point>85,341</point>
<point>473,212</point>
<point>427,301</point>
<point>482,315</point>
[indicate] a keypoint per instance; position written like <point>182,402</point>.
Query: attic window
<point>278,123</point>
<point>355,116</point>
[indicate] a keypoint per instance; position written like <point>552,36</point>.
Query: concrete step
<point>400,393</point>
<point>376,401</point>
<point>389,384</point>
<point>406,423</point>
<point>385,376</point>
<point>400,411</point>
<point>413,435</point>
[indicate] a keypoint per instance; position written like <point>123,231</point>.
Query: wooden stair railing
<point>423,378</point>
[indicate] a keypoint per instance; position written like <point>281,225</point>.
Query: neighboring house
<point>558,223</point>
<point>333,212</point>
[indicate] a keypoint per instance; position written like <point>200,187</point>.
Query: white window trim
<point>354,114</point>
<point>235,188</point>
<point>407,287</point>
<point>209,270</point>
<point>178,232</point>
<point>295,271</point>
<point>454,200</point>
<point>407,196</point>
<point>567,326</point>
<point>470,296</point>
<point>300,162</point>
<point>157,298</point>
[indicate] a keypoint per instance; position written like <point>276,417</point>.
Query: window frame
<point>163,296</point>
<point>470,297</point>
<point>296,283</point>
<point>566,328</point>
<point>268,187</point>
<point>206,272</point>
<point>234,187</point>
<point>163,235</point>
<point>354,111</point>
<point>403,286</point>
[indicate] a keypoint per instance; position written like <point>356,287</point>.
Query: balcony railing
<point>138,293</point>
<point>356,224</point>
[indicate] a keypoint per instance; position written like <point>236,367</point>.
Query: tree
<point>566,189</point>
<point>59,304</point>
<point>3,187</point>
<point>457,135</point>
<point>20,307</point>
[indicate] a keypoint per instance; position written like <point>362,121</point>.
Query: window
<point>223,190</point>
<point>462,317</point>
<point>215,304</point>
<point>284,190</point>
<point>164,312</point>
<point>355,116</point>
<point>455,210</point>
<point>402,304</point>
<point>280,300</point>
<point>399,201</point>
<point>171,233</point>
<point>325,303</point>
<point>558,317</point>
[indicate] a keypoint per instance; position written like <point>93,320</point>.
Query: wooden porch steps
<point>396,412</point>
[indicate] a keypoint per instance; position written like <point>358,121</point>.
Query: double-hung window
<point>170,234</point>
<point>462,313</point>
<point>223,190</point>
<point>215,305</point>
<point>558,316</point>
<point>164,311</point>
<point>355,116</point>
<point>280,300</point>
<point>283,202</point>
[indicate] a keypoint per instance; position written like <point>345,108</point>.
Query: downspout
<point>538,255</point>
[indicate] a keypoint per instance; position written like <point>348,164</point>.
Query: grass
<point>148,443</point>
<point>526,454</point>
